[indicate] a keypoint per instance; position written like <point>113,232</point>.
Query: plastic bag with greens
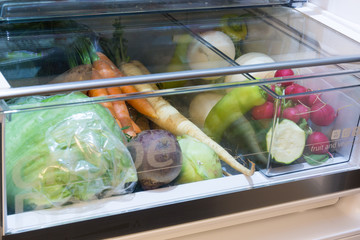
<point>56,156</point>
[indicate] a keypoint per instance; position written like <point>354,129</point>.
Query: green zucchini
<point>287,142</point>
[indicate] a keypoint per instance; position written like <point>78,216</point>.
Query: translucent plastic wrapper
<point>63,155</point>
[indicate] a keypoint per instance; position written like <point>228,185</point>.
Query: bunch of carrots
<point>102,68</point>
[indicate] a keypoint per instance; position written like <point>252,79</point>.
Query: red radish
<point>322,114</point>
<point>312,99</point>
<point>296,89</point>
<point>284,73</point>
<point>269,97</point>
<point>279,111</point>
<point>289,89</point>
<point>264,111</point>
<point>304,111</point>
<point>299,89</point>
<point>292,114</point>
<point>318,143</point>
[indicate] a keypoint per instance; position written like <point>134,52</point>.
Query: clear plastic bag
<point>64,155</point>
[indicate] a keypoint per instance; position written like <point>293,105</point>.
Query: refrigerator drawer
<point>127,122</point>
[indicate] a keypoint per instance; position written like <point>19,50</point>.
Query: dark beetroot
<point>322,114</point>
<point>264,111</point>
<point>157,156</point>
<point>318,143</point>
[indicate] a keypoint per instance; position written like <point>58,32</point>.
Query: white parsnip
<point>170,119</point>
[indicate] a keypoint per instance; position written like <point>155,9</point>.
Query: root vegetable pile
<point>169,118</point>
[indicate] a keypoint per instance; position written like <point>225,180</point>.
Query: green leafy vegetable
<point>61,155</point>
<point>82,51</point>
<point>115,48</point>
<point>316,159</point>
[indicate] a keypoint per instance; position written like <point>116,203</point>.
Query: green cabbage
<point>200,162</point>
<point>60,155</point>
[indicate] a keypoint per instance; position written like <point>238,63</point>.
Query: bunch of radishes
<point>301,106</point>
<point>311,106</point>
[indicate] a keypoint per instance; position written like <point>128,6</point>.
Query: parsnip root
<point>169,118</point>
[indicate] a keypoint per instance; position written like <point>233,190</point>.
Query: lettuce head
<point>57,153</point>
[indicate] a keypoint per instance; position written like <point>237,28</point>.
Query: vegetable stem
<point>81,52</point>
<point>119,43</point>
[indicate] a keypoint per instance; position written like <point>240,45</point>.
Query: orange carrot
<point>101,92</point>
<point>135,126</point>
<point>122,112</point>
<point>141,105</point>
<point>118,122</point>
<point>104,58</point>
<point>104,69</point>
